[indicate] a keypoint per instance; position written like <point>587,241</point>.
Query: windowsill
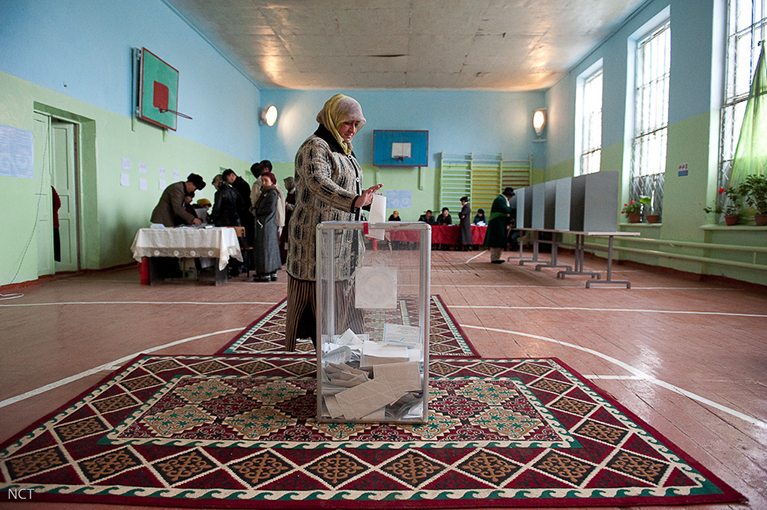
<point>739,228</point>
<point>641,225</point>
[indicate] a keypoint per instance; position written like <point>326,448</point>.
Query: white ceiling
<point>389,44</point>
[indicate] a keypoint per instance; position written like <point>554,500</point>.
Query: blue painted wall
<point>82,49</point>
<point>458,122</point>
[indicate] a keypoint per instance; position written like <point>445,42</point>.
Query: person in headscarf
<point>290,203</point>
<point>328,188</point>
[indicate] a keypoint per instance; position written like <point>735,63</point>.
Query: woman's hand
<point>367,196</point>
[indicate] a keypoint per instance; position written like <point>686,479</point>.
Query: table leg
<point>579,249</point>
<point>156,270</point>
<point>609,268</point>
<point>221,274</point>
<point>553,262</point>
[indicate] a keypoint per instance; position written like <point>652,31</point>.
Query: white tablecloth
<point>214,242</point>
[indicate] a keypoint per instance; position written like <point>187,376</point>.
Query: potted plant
<point>731,209</point>
<point>633,210</point>
<point>754,192</point>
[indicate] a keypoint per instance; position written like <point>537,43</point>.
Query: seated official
<point>445,218</point>
<point>428,217</point>
<point>480,219</point>
<point>395,216</point>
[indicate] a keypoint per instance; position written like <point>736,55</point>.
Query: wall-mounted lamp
<point>268,116</point>
<point>539,122</point>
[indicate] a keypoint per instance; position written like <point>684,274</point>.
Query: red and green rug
<point>240,431</point>
<point>266,336</point>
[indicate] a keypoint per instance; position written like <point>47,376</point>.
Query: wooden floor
<point>687,356</point>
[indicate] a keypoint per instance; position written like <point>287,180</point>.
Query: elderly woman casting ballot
<point>328,188</point>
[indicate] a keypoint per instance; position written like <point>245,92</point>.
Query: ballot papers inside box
<point>373,322</point>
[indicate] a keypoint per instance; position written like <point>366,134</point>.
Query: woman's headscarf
<point>337,110</point>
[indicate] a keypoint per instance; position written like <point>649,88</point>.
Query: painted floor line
<point>475,256</point>
<point>631,310</point>
<point>225,303</point>
<point>106,366</point>
<point>637,373</point>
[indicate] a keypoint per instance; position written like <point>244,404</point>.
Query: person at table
<point>243,205</point>
<point>267,249</point>
<point>444,218</point>
<point>226,204</point>
<point>464,220</point>
<point>290,203</point>
<point>202,208</point>
<point>395,216</point>
<point>496,236</point>
<point>428,217</point>
<point>171,204</point>
<point>328,188</point>
<point>480,218</point>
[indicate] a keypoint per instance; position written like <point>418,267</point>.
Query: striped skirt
<point>301,313</point>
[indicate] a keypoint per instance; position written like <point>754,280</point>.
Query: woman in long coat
<point>497,235</point>
<point>328,188</point>
<point>267,249</point>
<point>464,234</point>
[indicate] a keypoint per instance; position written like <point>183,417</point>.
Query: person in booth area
<point>328,188</point>
<point>496,236</point>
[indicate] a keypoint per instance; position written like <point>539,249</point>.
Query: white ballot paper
<point>375,287</point>
<point>399,334</point>
<point>377,215</point>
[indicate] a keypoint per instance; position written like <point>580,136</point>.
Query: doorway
<point>56,161</point>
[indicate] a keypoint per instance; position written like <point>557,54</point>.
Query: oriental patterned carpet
<point>266,336</point>
<point>240,431</point>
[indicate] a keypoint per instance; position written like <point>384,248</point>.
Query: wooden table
<point>218,243</point>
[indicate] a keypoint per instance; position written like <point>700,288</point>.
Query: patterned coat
<point>327,184</point>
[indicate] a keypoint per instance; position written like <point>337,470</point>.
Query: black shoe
<point>497,261</point>
<point>273,277</point>
<point>261,278</point>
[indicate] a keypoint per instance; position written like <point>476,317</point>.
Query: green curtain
<point>751,152</point>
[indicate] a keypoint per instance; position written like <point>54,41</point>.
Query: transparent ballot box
<point>373,322</point>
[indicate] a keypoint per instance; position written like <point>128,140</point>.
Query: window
<point>588,131</point>
<point>746,26</point>
<point>648,153</point>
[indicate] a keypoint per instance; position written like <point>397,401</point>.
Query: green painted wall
<point>111,213</point>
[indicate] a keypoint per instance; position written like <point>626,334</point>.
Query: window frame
<point>588,128</point>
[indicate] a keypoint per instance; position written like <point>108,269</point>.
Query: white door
<point>64,180</point>
<point>44,219</point>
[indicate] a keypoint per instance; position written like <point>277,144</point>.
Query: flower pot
<point>760,219</point>
<point>635,217</point>
<point>731,219</point>
<point>653,218</point>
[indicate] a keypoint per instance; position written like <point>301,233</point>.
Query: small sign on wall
<point>683,170</point>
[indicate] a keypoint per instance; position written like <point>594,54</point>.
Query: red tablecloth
<point>441,234</point>
<point>448,234</point>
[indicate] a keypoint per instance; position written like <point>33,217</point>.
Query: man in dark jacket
<point>243,205</point>
<point>496,237</point>
<point>226,204</point>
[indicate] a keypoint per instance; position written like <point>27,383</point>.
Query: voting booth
<point>373,322</point>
